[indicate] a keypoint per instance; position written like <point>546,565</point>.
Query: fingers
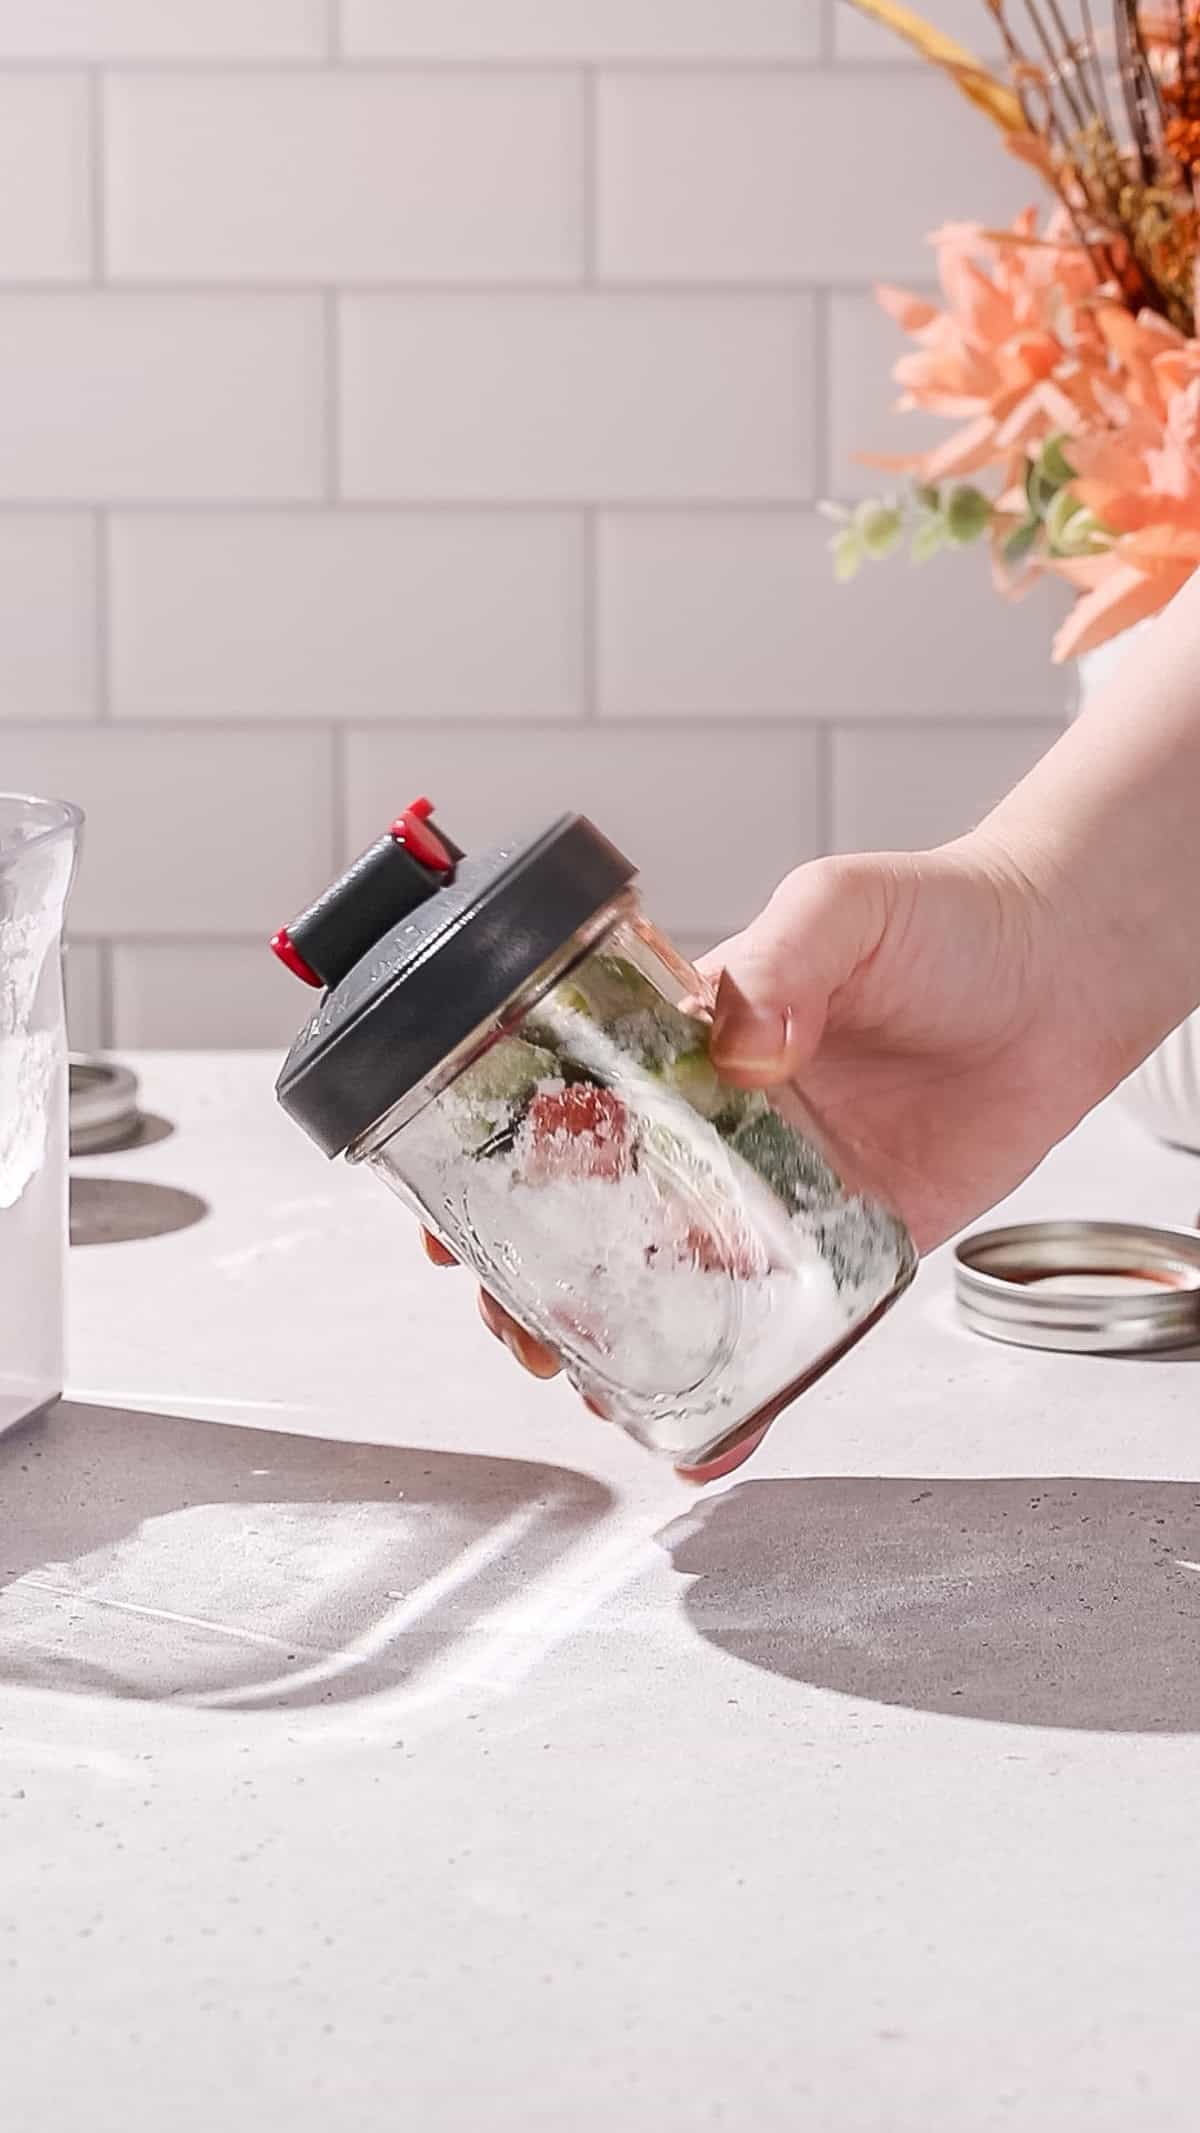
<point>530,1354</point>
<point>778,978</point>
<point>539,1361</point>
<point>752,1038</point>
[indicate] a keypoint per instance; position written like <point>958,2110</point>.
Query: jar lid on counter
<point>417,946</point>
<point>1087,1288</point>
<point>103,1106</point>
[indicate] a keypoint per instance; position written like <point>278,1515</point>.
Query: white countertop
<point>386,1743</point>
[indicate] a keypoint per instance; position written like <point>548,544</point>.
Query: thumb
<point>776,981</point>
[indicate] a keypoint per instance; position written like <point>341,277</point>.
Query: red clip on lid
<point>289,955</point>
<point>410,829</point>
<point>414,960</point>
<point>400,872</point>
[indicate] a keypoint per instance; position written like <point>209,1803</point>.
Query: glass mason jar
<point>696,1253</point>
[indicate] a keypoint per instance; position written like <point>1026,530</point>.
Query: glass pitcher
<point>39,841</point>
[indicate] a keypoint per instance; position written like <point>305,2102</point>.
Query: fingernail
<point>751,1038</point>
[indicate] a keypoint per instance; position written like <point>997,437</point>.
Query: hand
<point>930,1007</point>
<point>938,1012</point>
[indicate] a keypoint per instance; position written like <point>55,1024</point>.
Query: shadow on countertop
<point>128,1210</point>
<point>1069,1603</point>
<point>167,1559</point>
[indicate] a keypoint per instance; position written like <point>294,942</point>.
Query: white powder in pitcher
<point>28,1056</point>
<point>28,1065</point>
<point>33,1141</point>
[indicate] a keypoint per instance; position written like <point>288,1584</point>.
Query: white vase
<point>1164,1093</point>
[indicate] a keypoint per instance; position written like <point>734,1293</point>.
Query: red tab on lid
<point>423,844</point>
<point>289,955</point>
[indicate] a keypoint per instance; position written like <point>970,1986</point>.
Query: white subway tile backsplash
<point>47,616</point>
<point>968,21</point>
<point>436,393</point>
<point>736,612</point>
<point>906,788</point>
<point>789,176</point>
<point>45,177</point>
<point>933,639</point>
<point>588,396</point>
<point>703,615</point>
<point>84,974</point>
<point>344,177</point>
<point>107,395</point>
<point>202,996</point>
<point>199,832</point>
<point>162,29</point>
<point>864,345</point>
<point>364,615</point>
<point>714,822</point>
<point>584,29</point>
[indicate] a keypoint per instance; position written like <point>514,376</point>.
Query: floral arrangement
<point>1064,348</point>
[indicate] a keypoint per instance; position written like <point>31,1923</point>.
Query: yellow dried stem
<point>981,87</point>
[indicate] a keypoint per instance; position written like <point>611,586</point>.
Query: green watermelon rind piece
<point>493,1092</point>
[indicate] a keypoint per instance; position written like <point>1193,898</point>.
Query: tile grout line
<point>589,176</point>
<point>735,66</point>
<point>475,505</point>
<point>145,726</point>
<point>822,404</point>
<point>589,622</point>
<point>101,620</point>
<point>96,176</point>
<point>825,811</point>
<point>687,290</point>
<point>332,398</point>
<point>339,739</point>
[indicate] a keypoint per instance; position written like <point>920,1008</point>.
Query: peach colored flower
<point>1029,346</point>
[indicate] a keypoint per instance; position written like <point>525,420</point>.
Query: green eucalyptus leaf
<point>880,528</point>
<point>1058,521</point>
<point>968,515</point>
<point>1053,463</point>
<point>929,540</point>
<point>848,555</point>
<point>1021,543</point>
<point>1082,534</point>
<point>1039,493</point>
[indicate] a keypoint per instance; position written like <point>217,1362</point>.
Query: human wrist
<point>1111,947</point>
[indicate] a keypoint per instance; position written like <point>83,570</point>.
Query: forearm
<point>1107,828</point>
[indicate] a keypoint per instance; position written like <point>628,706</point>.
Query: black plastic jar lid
<point>418,947</point>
